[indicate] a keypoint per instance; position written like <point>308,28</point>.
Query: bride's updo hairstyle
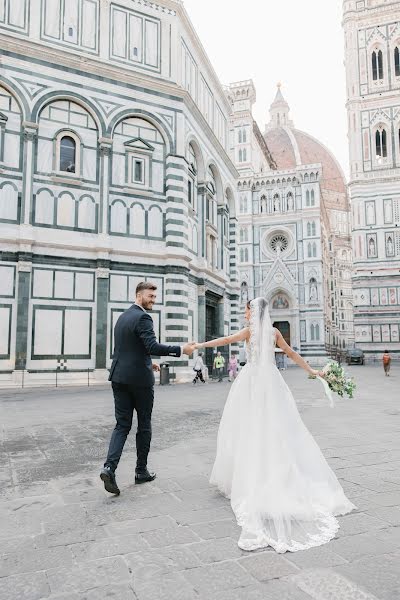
<point>263,305</point>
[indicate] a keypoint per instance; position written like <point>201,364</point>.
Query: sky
<point>297,43</point>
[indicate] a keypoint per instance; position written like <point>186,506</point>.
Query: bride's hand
<point>314,373</point>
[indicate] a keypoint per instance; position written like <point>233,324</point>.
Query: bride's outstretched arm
<point>225,341</point>
<point>293,355</point>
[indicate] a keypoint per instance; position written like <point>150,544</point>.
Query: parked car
<point>355,356</point>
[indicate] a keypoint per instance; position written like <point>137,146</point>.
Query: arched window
<point>313,229</point>
<point>67,154</point>
<point>317,332</point>
<point>314,250</point>
<point>307,198</point>
<point>309,251</point>
<point>397,61</point>
<point>244,154</point>
<point>243,235</point>
<point>240,156</point>
<point>290,201</point>
<point>244,136</point>
<point>312,198</point>
<point>377,65</point>
<point>240,136</point>
<point>381,142</point>
<point>246,255</point>
<point>312,331</point>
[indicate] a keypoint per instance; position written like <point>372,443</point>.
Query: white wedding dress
<point>282,491</point>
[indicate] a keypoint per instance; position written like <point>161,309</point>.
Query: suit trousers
<point>127,399</point>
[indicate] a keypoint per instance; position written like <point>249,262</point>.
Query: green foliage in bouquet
<point>337,379</point>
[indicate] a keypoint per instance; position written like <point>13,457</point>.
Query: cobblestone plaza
<point>62,537</point>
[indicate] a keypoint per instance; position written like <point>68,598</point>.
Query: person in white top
<point>198,368</point>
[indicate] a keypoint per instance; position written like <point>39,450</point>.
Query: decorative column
<point>105,148</point>
<point>176,238</point>
<point>201,308</point>
<point>201,199</point>
<point>24,270</point>
<point>102,276</point>
<point>30,134</point>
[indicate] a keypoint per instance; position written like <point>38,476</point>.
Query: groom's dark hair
<point>145,285</point>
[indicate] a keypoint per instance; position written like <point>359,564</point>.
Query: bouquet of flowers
<point>336,380</point>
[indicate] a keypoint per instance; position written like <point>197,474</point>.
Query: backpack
<point>386,359</point>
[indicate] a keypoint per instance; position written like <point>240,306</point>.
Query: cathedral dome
<point>291,148</point>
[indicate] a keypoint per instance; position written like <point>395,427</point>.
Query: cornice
<point>87,64</point>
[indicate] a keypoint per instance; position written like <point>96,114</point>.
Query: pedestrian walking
<point>219,364</point>
<point>386,359</point>
<point>198,368</point>
<point>233,367</point>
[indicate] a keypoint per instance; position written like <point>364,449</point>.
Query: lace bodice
<point>252,354</point>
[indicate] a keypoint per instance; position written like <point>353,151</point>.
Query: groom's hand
<point>189,348</point>
<point>156,367</point>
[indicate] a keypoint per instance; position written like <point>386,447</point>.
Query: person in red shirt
<point>387,359</point>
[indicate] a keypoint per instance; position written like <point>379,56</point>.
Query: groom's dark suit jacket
<point>135,343</point>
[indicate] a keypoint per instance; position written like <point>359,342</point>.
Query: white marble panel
<point>152,44</point>
<point>83,286</point>
<point>43,283</point>
<point>118,288</point>
<point>7,280</point>
<point>8,202</point>
<point>5,316</point>
<point>47,332</point>
<point>64,284</point>
<point>12,143</point>
<point>77,332</point>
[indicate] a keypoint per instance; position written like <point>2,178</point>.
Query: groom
<point>132,381</point>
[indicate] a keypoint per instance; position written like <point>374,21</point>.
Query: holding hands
<point>189,348</point>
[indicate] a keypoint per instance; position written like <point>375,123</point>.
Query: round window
<point>278,243</point>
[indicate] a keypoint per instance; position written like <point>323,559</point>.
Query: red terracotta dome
<point>292,148</point>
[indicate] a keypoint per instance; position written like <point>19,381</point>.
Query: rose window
<point>279,243</point>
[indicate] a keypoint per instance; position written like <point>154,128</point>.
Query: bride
<point>282,491</point>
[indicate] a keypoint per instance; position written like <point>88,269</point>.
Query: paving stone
<point>110,592</point>
<point>386,499</point>
<point>54,537</point>
<point>214,578</point>
<point>353,524</point>
<point>378,575</point>
<point>11,526</point>
<point>203,516</point>
<point>168,537</point>
<point>17,544</point>
<point>33,503</point>
<point>324,584</point>
<point>172,585</point>
<point>389,514</point>
<point>38,560</point>
<point>252,592</point>
<point>154,563</point>
<point>217,529</point>
<point>363,544</point>
<point>89,575</point>
<point>26,586</point>
<point>140,525</point>
<point>113,546</point>
<point>285,590</point>
<point>267,565</point>
<point>322,556</point>
<point>217,550</point>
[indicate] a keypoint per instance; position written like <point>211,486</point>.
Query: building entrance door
<point>284,328</point>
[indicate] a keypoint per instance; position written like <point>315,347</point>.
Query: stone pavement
<point>62,537</point>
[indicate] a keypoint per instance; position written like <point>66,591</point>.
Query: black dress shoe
<point>110,483</point>
<point>144,477</point>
